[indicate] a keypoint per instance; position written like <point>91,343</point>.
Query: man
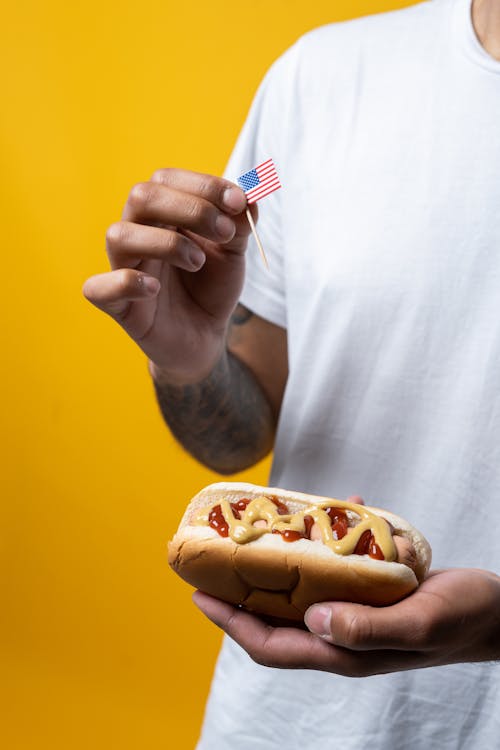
<point>368,356</point>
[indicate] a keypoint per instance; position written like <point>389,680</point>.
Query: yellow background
<point>100,645</point>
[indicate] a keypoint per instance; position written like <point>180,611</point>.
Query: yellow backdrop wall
<point>101,646</point>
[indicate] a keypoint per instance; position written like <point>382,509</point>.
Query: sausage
<point>315,535</point>
<point>260,524</point>
<point>406,551</point>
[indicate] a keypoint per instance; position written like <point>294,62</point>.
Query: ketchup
<point>368,546</point>
<point>308,523</point>
<point>240,505</point>
<point>282,508</point>
<point>290,535</point>
<point>338,519</point>
<point>217,521</point>
<point>375,550</point>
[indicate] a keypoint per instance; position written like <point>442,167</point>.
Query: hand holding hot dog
<point>276,552</point>
<point>454,616</point>
<point>177,269</point>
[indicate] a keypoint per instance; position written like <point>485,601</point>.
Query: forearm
<point>225,421</point>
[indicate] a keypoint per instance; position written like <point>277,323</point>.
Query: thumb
<point>343,624</point>
<point>318,619</point>
<point>113,292</point>
<point>361,628</point>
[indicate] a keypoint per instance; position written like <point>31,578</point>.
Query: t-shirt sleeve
<point>264,136</point>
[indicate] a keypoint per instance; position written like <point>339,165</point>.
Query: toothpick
<point>257,239</point>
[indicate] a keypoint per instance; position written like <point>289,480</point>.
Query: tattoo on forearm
<point>225,421</point>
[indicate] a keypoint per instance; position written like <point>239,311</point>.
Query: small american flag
<point>260,181</point>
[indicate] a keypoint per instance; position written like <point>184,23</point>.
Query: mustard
<point>262,508</point>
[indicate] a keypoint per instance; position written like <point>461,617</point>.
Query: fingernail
<point>234,199</point>
<point>225,227</point>
<point>150,284</point>
<point>196,259</point>
<point>318,619</point>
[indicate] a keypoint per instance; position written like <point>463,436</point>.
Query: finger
<point>237,244</point>
<point>154,203</point>
<point>128,244</point>
<point>355,499</point>
<point>360,627</point>
<point>287,648</point>
<point>243,229</point>
<point>113,292</point>
<point>222,193</point>
<point>290,648</point>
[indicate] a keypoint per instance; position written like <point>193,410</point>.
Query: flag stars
<point>248,180</point>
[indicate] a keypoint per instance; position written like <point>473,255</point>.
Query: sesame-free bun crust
<point>282,579</point>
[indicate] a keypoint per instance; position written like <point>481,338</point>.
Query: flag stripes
<point>260,181</point>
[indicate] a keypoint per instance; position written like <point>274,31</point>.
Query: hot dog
<point>276,552</point>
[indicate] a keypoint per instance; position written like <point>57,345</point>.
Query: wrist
<point>178,378</point>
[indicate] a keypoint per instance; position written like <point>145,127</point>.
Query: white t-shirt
<point>384,251</point>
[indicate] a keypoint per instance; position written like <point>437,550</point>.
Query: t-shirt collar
<point>462,21</point>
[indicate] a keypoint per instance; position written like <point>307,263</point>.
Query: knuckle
<point>141,194</point>
<point>173,242</point>
<point>232,623</point>
<point>210,186</point>
<point>263,652</point>
<point>357,629</point>
<point>116,235</point>
<point>125,280</point>
<point>162,175</point>
<point>260,657</point>
<point>196,211</point>
<point>425,633</point>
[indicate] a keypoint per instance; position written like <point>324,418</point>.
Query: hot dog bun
<point>282,579</point>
